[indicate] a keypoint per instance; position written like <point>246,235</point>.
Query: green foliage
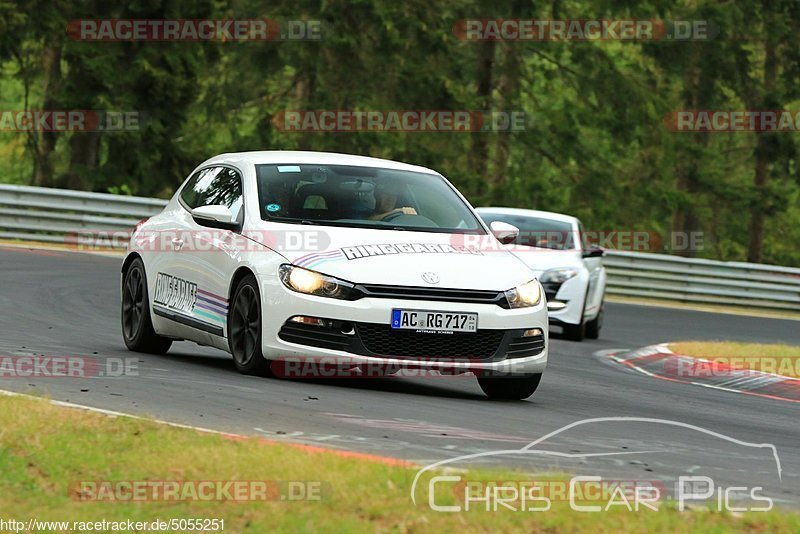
<point>595,144</point>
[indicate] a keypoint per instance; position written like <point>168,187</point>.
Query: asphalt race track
<point>64,303</point>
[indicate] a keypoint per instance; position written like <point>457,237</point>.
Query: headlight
<point>558,276</point>
<point>524,296</point>
<point>314,283</point>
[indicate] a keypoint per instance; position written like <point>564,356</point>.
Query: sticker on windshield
<point>288,168</point>
<point>272,208</point>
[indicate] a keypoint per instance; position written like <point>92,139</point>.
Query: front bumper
<point>566,301</point>
<point>503,348</point>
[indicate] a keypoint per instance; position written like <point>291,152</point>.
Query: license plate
<point>433,321</point>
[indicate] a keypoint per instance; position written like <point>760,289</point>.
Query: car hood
<point>542,259</point>
<point>394,257</point>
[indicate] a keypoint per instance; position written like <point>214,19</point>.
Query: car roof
<point>530,213</point>
<point>268,157</point>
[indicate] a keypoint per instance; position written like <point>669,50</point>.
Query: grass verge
<point>46,451</point>
<point>769,358</point>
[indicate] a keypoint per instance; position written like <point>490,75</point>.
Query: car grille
<point>383,340</point>
<point>523,347</point>
<point>434,293</point>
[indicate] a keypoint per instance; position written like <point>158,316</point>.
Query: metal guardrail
<point>665,277</point>
<point>56,215</point>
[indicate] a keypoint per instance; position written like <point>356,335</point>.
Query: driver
<point>386,193</point>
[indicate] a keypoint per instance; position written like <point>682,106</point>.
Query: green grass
<point>770,358</point>
<point>45,450</point>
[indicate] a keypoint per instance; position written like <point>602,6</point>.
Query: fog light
<point>316,321</point>
<point>531,332</point>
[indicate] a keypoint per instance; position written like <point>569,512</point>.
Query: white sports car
<point>278,255</point>
<point>571,272</point>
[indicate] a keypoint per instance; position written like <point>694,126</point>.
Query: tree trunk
<point>479,154</point>
<point>83,159</point>
<point>51,66</point>
<point>763,152</point>
<point>507,88</point>
<point>684,218</point>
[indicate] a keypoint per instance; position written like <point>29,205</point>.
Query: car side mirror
<point>593,252</point>
<point>216,216</point>
<point>504,232</point>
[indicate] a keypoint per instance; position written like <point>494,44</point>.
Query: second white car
<point>571,272</point>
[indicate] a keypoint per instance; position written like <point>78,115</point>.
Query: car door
<point>205,256</point>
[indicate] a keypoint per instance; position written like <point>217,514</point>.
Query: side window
<point>214,185</point>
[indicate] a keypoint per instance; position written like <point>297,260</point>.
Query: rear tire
<point>510,387</point>
<point>593,327</point>
<point>244,329</point>
<point>137,325</point>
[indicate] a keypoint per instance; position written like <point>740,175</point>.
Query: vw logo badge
<point>431,278</point>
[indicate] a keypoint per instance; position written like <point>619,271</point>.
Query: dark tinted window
<point>537,232</point>
<point>212,186</point>
<point>368,197</point>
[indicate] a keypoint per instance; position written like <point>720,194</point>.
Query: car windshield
<point>363,197</point>
<point>537,231</point>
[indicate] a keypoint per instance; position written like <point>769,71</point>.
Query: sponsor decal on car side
<point>211,306</point>
<point>175,293</point>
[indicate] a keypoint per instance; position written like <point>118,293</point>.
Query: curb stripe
<point>658,361</point>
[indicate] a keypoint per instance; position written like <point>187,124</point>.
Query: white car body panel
<point>158,242</point>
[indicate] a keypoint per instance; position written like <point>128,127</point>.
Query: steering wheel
<point>393,215</point>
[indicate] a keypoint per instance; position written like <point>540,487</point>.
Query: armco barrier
<point>44,214</point>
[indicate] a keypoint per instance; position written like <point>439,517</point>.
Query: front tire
<point>137,325</point>
<point>510,387</point>
<point>576,332</point>
<point>593,327</point>
<point>244,329</point>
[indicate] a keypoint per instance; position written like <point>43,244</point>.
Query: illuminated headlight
<point>524,296</point>
<point>558,276</point>
<point>314,283</point>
